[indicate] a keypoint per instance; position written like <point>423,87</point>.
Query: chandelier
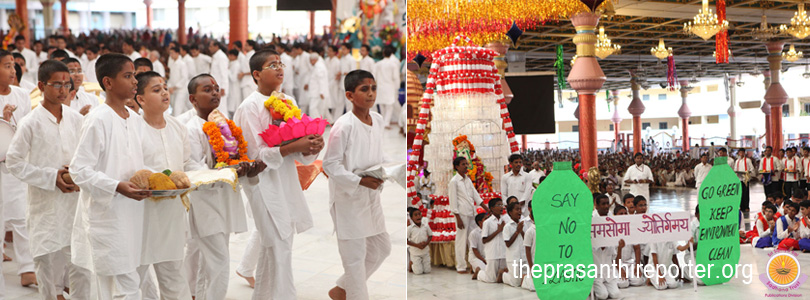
<point>705,24</point>
<point>604,47</point>
<point>661,52</point>
<point>792,55</point>
<point>799,24</point>
<point>765,32</point>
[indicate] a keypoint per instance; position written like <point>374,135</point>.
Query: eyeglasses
<point>275,66</point>
<point>60,85</point>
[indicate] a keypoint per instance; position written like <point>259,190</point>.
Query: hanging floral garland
<point>721,39</point>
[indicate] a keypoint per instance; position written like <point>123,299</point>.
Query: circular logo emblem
<point>783,269</point>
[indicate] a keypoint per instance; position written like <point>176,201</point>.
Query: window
<point>159,14</point>
<point>662,96</point>
<point>611,127</point>
<point>807,109</point>
<point>645,125</point>
<point>575,128</point>
<point>786,110</point>
<point>662,125</point>
<point>645,97</point>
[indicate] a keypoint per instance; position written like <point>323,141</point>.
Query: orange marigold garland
<point>216,142</point>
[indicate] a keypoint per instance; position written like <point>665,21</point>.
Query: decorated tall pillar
<point>766,109</point>
<point>586,77</point>
<point>181,21</point>
<point>636,108</point>
<point>776,95</point>
<point>616,119</point>
<point>63,11</point>
<point>685,113</point>
<point>239,19</point>
<point>47,16</point>
<point>733,110</point>
<point>149,13</point>
<point>21,9</point>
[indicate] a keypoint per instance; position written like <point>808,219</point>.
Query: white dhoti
<point>606,288</point>
<point>21,245</point>
<point>120,287</point>
<point>191,264</point>
<point>513,278</point>
<point>421,263</point>
<point>461,242</point>
<point>476,263</point>
<point>171,282</point>
<point>387,110</point>
<point>490,273</point>
<point>274,277</point>
<point>669,281</point>
<point>214,267</point>
<point>361,258</point>
<point>528,282</point>
<point>634,277</point>
<point>247,266</point>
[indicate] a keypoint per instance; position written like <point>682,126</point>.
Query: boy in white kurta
<point>278,203</point>
<point>605,285</point>
<point>178,82</point>
<point>494,246</point>
<point>39,153</point>
<point>355,145</point>
<point>108,228</point>
<point>16,105</point>
<point>639,177</point>
<point>476,255</point>
<point>165,146</point>
<point>419,236</point>
<point>388,76</point>
<point>529,236</point>
<point>515,251</point>
<point>216,210</point>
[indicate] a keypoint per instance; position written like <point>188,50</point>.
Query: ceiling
<point>637,25</point>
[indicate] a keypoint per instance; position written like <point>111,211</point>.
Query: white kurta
<point>39,149</point>
<point>388,79</point>
<point>302,69</point>
<point>82,99</point>
<point>367,63</point>
<point>347,64</point>
<point>354,147</point>
<point>744,166</point>
<point>319,86</point>
<point>246,82</point>
<point>179,81</point>
<point>277,201</point>
<point>463,197</point>
<point>215,209</point>
<point>133,56</point>
<point>289,74</point>
<point>636,172</point>
<point>191,66</point>
<point>202,63</point>
<point>333,68</point>
<point>158,67</point>
<point>164,223</point>
<point>701,171</point>
<point>219,70</point>
<point>14,191</point>
<point>108,229</point>
<point>234,89</point>
<point>90,71</point>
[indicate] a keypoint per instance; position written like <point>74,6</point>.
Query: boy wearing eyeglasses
<point>83,102</point>
<point>39,154</point>
<point>277,202</point>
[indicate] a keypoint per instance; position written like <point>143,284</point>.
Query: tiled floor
<point>316,262</point>
<point>444,283</point>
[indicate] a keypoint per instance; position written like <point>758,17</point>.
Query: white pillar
<point>127,20</point>
<point>57,18</point>
<point>733,110</point>
<point>84,24</point>
<point>106,17</point>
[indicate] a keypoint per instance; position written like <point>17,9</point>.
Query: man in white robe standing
<point>463,201</point>
<point>157,66</point>
<point>178,82</point>
<point>219,70</point>
<point>347,64</point>
<point>333,78</point>
<point>246,81</point>
<point>387,75</point>
<point>202,62</point>
<point>317,91</point>
<point>288,87</point>
<point>366,62</point>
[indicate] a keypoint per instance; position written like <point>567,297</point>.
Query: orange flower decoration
<point>215,139</point>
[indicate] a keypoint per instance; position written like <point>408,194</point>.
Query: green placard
<point>563,208</point>
<point>718,238</point>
